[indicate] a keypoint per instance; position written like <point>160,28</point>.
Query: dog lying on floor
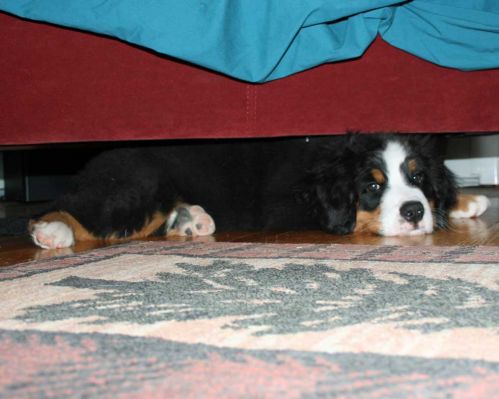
<point>390,185</point>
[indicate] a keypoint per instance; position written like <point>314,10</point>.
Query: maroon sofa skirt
<point>59,85</point>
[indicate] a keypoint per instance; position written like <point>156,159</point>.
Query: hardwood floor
<point>480,231</point>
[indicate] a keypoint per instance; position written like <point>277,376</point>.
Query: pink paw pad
<point>191,220</point>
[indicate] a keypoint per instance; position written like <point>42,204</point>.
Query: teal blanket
<point>261,40</point>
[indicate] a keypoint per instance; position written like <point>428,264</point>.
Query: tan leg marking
<point>80,232</point>
<point>151,225</point>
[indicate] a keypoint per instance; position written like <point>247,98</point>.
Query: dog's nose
<point>412,211</point>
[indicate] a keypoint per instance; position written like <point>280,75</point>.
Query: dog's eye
<point>373,187</point>
<point>417,178</point>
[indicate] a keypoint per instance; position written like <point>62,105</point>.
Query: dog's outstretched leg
<point>469,206</point>
<point>60,229</point>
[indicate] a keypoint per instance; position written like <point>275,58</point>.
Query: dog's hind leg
<point>61,230</point>
<point>58,230</point>
<point>190,220</point>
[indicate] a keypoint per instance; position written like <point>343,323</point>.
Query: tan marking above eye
<point>378,176</point>
<point>412,165</point>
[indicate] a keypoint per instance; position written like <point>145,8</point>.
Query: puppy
<point>391,185</point>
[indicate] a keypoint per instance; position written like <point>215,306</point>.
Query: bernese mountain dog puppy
<point>391,185</point>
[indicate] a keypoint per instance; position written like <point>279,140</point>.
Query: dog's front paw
<point>52,235</point>
<point>191,220</point>
<point>469,206</point>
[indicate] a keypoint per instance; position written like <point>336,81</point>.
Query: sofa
<point>61,85</point>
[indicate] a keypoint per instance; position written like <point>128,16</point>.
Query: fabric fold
<point>266,40</point>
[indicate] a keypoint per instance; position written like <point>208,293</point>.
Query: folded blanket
<point>260,40</point>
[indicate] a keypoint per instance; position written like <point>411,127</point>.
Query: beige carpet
<point>220,320</point>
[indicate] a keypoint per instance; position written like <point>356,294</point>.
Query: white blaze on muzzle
<point>398,193</point>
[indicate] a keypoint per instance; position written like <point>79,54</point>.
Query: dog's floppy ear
<point>445,193</point>
<point>443,188</point>
<point>330,193</point>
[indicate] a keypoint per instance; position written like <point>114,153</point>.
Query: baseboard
<point>482,171</point>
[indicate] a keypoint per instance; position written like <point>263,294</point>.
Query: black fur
<point>294,183</point>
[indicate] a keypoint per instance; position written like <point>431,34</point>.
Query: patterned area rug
<point>228,320</point>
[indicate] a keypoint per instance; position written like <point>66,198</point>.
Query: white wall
<point>474,160</point>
